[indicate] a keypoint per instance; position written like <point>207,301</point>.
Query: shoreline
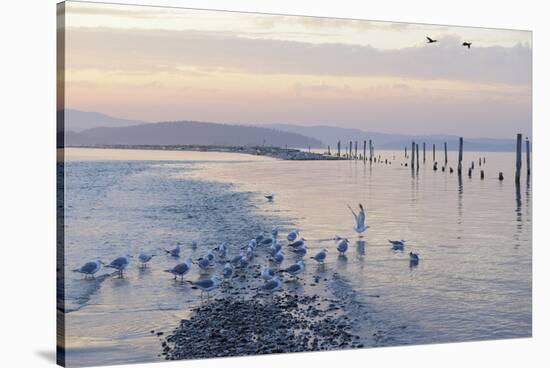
<point>273,152</point>
<point>258,323</point>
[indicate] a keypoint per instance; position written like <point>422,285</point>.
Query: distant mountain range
<point>91,128</point>
<point>77,121</point>
<point>189,133</point>
<point>331,135</point>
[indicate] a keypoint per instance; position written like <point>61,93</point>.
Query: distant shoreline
<point>274,152</point>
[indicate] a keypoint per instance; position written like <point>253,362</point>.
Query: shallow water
<point>474,239</point>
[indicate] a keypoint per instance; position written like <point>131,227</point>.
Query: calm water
<point>474,239</point>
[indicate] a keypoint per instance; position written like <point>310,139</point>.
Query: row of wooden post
<point>415,156</point>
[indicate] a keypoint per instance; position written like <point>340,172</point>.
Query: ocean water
<point>473,281</point>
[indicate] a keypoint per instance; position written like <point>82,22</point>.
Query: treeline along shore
<point>269,151</point>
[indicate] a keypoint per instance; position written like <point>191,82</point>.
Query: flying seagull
<point>430,40</point>
<point>360,218</point>
<point>467,44</point>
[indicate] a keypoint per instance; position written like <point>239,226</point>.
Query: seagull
<point>180,269</point>
<point>144,258</point>
<point>301,250</point>
<point>430,40</point>
<point>259,238</point>
<point>272,285</point>
<point>266,241</point>
<point>321,256</point>
<point>275,248</point>
<point>210,256</point>
<point>397,244</point>
<point>468,44</point>
<point>360,218</point>
<point>342,246</point>
<point>249,254</point>
<point>253,243</point>
<point>275,232</point>
<point>222,250</point>
<point>414,258</point>
<point>279,257</point>
<point>203,263</point>
<point>174,252</point>
<point>193,245</point>
<point>295,269</point>
<point>270,197</point>
<point>237,259</point>
<point>298,243</point>
<point>120,264</point>
<point>267,273</point>
<point>206,285</point>
<point>292,235</point>
<point>228,270</point>
<point>89,268</point>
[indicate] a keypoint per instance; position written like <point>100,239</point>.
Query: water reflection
<point>360,247</point>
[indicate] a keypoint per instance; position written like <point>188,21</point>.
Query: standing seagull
<point>228,270</point>
<point>292,235</point>
<point>430,40</point>
<point>467,44</point>
<point>206,285</point>
<point>267,273</point>
<point>180,269</point>
<point>174,252</point>
<point>295,269</point>
<point>342,246</point>
<point>89,268</point>
<point>360,219</point>
<point>279,257</point>
<point>144,258</point>
<point>120,264</point>
<point>272,285</point>
<point>321,256</point>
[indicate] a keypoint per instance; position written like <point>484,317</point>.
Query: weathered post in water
<point>424,152</point>
<point>338,154</point>
<point>528,157</point>
<point>356,150</point>
<point>364,150</point>
<point>518,158</point>
<point>433,150</point>
<point>417,157</point>
<point>329,150</point>
<point>350,148</point>
<point>412,155</point>
<point>445,145</point>
<point>370,150</point>
<point>406,152</point>
<point>460,146</point>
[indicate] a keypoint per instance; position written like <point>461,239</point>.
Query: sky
<point>166,64</point>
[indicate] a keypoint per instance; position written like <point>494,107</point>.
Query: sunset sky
<point>160,64</point>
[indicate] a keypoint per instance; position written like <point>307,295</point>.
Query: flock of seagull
<point>272,281</point>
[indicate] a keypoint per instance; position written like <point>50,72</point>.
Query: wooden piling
<point>350,148</point>
<point>424,152</point>
<point>417,157</point>
<point>460,146</point>
<point>482,174</point>
<point>412,155</point>
<point>518,158</point>
<point>528,157</point>
<point>364,150</point>
<point>329,150</point>
<point>445,145</point>
<point>406,152</point>
<point>370,150</point>
<point>356,150</point>
<point>338,154</point>
<point>433,150</point>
